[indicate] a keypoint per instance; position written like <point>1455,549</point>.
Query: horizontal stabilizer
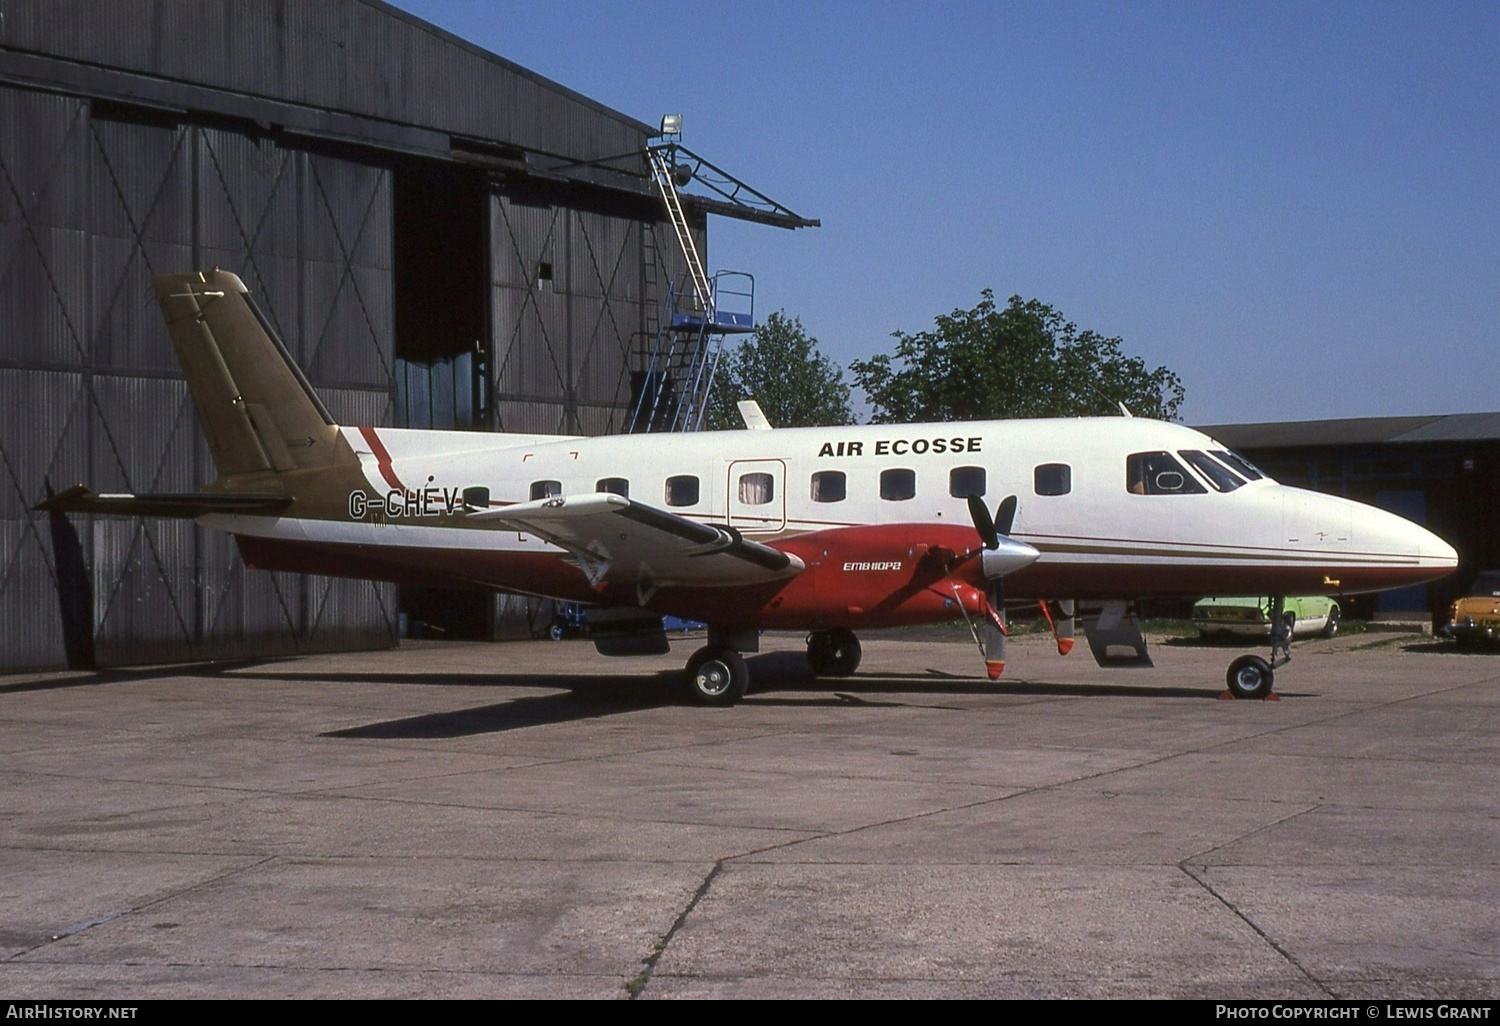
<point>80,499</point>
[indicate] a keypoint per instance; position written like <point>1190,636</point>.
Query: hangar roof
<point>1453,427</point>
<point>356,70</point>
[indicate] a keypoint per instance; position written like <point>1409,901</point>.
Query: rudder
<point>257,409</point>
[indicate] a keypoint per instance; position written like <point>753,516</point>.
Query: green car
<point>1251,616</point>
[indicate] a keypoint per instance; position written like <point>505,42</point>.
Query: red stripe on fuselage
<point>382,457</point>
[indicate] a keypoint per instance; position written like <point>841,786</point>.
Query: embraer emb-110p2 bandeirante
<point>826,530</point>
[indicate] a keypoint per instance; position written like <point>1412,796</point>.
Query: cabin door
<point>757,496</point>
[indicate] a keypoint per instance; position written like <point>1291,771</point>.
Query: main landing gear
<point>1250,676</point>
<point>716,673</point>
<point>833,653</point>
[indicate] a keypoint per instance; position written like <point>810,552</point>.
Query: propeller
<point>1002,555</point>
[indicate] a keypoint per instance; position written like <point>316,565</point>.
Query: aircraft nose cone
<point>1433,551</point>
<point>1367,549</point>
<point>1385,532</point>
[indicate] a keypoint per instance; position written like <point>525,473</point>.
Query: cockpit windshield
<point>1221,477</point>
<point>1238,462</point>
<point>1159,473</point>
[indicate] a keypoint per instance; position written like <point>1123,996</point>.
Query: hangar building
<point>1441,471</point>
<point>442,238</point>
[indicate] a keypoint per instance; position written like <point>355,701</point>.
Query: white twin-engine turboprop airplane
<point>819,529</point>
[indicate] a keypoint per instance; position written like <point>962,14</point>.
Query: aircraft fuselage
<point>877,513</point>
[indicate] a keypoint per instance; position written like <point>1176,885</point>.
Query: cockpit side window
<point>1221,477</point>
<point>1238,462</point>
<point>1159,473</point>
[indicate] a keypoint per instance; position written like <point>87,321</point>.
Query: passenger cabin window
<point>1220,476</point>
<point>682,490</point>
<point>545,489</point>
<point>757,489</point>
<point>1053,479</point>
<point>1158,473</point>
<point>966,481</point>
<point>829,486</point>
<point>898,485</point>
<point>613,485</point>
<point>1238,462</point>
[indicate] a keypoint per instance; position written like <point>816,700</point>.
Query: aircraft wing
<point>80,499</point>
<point>613,538</point>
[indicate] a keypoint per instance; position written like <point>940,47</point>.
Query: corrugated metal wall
<point>565,346</point>
<point>287,184</point>
<point>93,200</point>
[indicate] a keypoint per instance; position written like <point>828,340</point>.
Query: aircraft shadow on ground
<point>777,679</point>
<point>128,675</point>
<point>1229,641</point>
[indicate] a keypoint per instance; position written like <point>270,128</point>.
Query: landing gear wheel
<point>1332,626</point>
<point>1250,677</point>
<point>834,653</point>
<point>717,676</point>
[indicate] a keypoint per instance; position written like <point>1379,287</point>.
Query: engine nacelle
<point>877,574</point>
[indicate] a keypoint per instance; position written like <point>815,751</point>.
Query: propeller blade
<point>1005,515</point>
<point>995,629</point>
<point>1060,624</point>
<point>982,522</point>
<point>1002,555</point>
<point>1064,632</point>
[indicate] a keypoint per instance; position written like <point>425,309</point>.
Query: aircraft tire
<point>717,676</point>
<point>834,653</point>
<point>1250,677</point>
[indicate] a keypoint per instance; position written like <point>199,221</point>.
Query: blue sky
<point>1295,206</point>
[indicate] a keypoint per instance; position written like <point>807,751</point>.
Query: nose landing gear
<point>1250,676</point>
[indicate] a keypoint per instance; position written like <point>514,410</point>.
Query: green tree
<point>781,368</point>
<point>1025,360</point>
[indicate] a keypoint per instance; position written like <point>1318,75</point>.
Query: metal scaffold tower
<point>699,309</point>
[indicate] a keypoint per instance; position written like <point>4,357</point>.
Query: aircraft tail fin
<point>256,408</point>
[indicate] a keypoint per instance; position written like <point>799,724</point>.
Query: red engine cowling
<point>879,575</point>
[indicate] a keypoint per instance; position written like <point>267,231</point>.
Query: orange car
<point>1476,616</point>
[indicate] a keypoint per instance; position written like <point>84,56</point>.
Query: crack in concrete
<point>638,984</point>
<point>89,924</point>
<point>1240,914</point>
